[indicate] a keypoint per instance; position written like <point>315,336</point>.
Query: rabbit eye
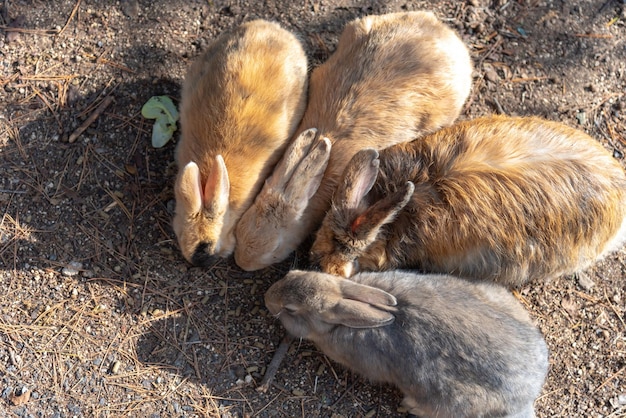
<point>290,309</point>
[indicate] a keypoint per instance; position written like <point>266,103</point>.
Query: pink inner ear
<point>208,190</point>
<point>200,194</point>
<point>357,223</point>
<point>217,187</point>
<point>190,189</point>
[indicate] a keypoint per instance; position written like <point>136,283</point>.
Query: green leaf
<point>162,132</point>
<point>155,107</point>
<point>163,110</point>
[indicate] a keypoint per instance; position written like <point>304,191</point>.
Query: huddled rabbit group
<point>366,154</point>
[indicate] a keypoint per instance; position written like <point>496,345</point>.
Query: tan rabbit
<point>392,78</point>
<point>241,102</point>
<point>455,348</point>
<point>498,198</point>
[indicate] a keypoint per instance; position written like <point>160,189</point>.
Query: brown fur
<point>497,198</point>
<point>242,99</point>
<point>392,78</point>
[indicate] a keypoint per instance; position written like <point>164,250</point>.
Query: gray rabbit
<point>455,348</point>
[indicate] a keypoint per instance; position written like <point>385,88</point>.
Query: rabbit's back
<point>241,99</point>
<point>455,348</point>
<point>393,78</point>
<point>503,199</point>
<point>404,74</point>
<point>241,102</point>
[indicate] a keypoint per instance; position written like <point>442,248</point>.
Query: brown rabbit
<point>241,102</point>
<point>455,348</point>
<point>497,198</point>
<point>392,78</point>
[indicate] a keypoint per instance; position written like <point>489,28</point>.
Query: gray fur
<point>455,348</point>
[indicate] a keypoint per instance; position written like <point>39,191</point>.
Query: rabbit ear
<point>358,178</point>
<point>366,225</point>
<point>356,314</point>
<point>307,177</point>
<point>361,307</point>
<point>294,154</point>
<point>367,294</point>
<point>189,189</point>
<point>217,187</point>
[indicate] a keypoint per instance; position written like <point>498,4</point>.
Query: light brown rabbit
<point>392,78</point>
<point>241,102</point>
<point>455,348</point>
<point>497,198</point>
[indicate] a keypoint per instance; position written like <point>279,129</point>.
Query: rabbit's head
<point>310,304</point>
<point>202,213</point>
<point>352,224</point>
<point>267,227</point>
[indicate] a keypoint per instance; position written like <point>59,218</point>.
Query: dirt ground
<point>100,316</point>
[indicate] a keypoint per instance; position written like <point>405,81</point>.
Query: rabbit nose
<point>202,256</point>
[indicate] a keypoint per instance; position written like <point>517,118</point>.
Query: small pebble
<point>115,367</point>
<point>491,74</point>
<point>321,369</point>
<point>621,399</point>
<point>585,281</point>
<point>6,392</point>
<point>20,397</point>
<point>130,8</point>
<point>72,268</point>
<point>74,409</point>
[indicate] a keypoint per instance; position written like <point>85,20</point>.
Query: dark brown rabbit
<point>393,78</point>
<point>455,348</point>
<point>497,198</point>
<point>241,102</point>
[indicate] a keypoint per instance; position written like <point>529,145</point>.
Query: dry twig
<point>105,103</point>
<point>272,368</point>
<point>69,19</point>
<point>594,35</point>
